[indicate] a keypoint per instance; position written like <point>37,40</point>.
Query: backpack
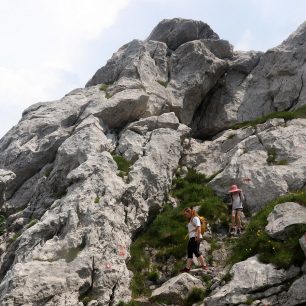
<point>203,224</point>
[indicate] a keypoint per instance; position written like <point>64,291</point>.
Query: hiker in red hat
<point>237,199</point>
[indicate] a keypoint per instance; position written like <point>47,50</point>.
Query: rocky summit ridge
<point>172,100</point>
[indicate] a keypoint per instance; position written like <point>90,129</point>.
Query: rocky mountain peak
<point>177,31</point>
<point>81,177</point>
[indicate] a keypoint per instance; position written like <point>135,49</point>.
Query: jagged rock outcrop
<point>268,157</point>
<point>249,277</point>
<point>283,218</point>
<point>176,289</point>
<point>5,178</point>
<point>72,214</point>
<point>177,31</point>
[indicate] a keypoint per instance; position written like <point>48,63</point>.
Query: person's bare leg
<point>189,263</point>
<point>201,260</point>
<point>233,219</point>
<point>238,216</point>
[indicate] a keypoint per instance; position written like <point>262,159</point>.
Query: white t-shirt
<point>192,225</point>
<point>236,201</point>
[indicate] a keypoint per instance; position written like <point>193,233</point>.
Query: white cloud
<point>42,44</point>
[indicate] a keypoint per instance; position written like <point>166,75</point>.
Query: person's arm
<point>198,233</point>
<point>197,224</point>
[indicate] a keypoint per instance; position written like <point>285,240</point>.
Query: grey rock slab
<point>241,157</point>
<point>119,110</point>
<point>177,31</point>
<point>194,72</point>
<point>166,120</point>
<point>302,242</point>
<point>297,292</point>
<point>177,288</point>
<point>247,276</point>
<point>33,143</point>
<point>283,217</point>
<point>5,178</point>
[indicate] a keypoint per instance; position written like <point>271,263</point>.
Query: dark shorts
<point>237,209</point>
<point>193,248</point>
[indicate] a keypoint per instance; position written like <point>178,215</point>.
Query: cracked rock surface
<point>164,102</point>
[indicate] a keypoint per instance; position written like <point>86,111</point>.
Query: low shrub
<point>196,295</point>
<point>123,164</point>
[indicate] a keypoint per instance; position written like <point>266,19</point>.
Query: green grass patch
<point>123,164</point>
<point>16,236</point>
<point>272,155</point>
<point>131,303</point>
<point>48,172</point>
<point>162,83</point>
<point>60,194</point>
<point>103,87</point>
<point>195,296</point>
<point>286,115</point>
<point>97,200</point>
<point>32,222</point>
<point>166,234</point>
<point>2,224</point>
<point>255,240</point>
<point>153,276</point>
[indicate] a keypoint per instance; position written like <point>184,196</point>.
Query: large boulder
<point>297,292</point>
<point>176,289</point>
<point>283,218</point>
<point>247,277</point>
<point>194,71</point>
<point>177,31</point>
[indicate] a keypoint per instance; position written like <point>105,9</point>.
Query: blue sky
<point>50,47</point>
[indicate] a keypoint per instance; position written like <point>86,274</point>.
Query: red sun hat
<point>234,188</point>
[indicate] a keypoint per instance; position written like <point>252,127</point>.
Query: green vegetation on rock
<point>286,115</point>
<point>196,295</point>
<point>103,87</point>
<point>166,234</point>
<point>256,241</point>
<point>162,83</point>
<point>2,224</point>
<point>272,156</point>
<point>123,164</point>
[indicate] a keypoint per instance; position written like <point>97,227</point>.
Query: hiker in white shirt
<point>195,236</point>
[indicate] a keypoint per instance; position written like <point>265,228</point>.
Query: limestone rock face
<point>297,292</point>
<point>177,31</point>
<point>247,276</point>
<point>5,178</point>
<point>268,157</point>
<point>283,217</point>
<point>76,224</point>
<point>166,102</point>
<point>177,288</point>
<point>302,242</point>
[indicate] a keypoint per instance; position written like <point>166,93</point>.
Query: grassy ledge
<point>255,240</point>
<point>286,115</point>
<point>166,234</point>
